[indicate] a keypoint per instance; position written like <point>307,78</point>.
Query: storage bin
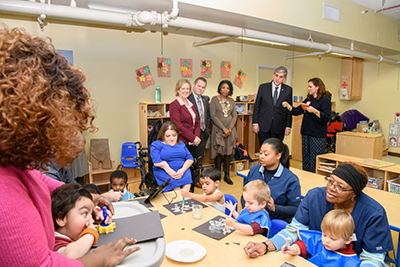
<point>375,179</point>
<point>394,186</point>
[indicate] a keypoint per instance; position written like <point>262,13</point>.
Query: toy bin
<point>394,186</point>
<point>375,179</point>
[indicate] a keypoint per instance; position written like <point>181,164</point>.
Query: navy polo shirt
<point>284,185</point>
<point>372,226</point>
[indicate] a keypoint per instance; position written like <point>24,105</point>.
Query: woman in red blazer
<point>183,113</point>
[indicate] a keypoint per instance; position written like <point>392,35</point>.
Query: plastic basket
<point>394,186</point>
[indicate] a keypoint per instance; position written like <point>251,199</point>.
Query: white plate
<point>127,209</point>
<point>185,251</point>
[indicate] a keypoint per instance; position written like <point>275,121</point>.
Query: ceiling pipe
<point>195,44</point>
<point>387,8</point>
<point>319,54</point>
<point>107,17</point>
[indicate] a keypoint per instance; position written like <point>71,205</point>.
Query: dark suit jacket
<point>207,115</point>
<point>180,115</point>
<point>269,116</point>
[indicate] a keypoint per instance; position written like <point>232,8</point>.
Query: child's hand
<point>291,250</point>
<point>230,221</point>
<point>185,193</point>
<point>229,205</point>
<point>271,205</point>
<point>99,216</point>
<point>113,196</point>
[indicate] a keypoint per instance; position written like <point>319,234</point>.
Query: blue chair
<point>128,155</point>
<point>231,199</point>
<point>276,226</point>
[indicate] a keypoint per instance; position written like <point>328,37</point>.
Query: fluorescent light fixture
<point>261,41</point>
<point>340,55</point>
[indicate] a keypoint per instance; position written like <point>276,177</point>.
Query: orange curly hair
<point>43,101</point>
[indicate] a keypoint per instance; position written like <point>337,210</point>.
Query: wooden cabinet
<point>326,163</point>
<point>361,145</point>
<point>351,78</point>
<point>149,114</point>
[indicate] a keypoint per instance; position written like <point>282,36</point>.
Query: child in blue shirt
<point>332,247</point>
<point>253,219</point>
<point>118,182</point>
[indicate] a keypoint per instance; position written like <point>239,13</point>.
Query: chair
<point>276,226</point>
<point>231,199</point>
<point>333,129</point>
<point>128,155</point>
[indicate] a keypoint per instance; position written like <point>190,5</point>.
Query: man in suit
<point>270,119</point>
<point>202,106</point>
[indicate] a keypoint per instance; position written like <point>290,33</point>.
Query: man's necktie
<point>201,114</point>
<point>276,95</point>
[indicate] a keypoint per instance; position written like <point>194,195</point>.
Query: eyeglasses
<point>340,189</point>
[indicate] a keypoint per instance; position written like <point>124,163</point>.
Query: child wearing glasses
<point>253,219</point>
<point>332,247</point>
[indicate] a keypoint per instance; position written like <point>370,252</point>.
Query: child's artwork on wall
<point>143,76</point>
<point>394,129</point>
<point>225,68</point>
<point>164,67</point>
<point>186,66</point>
<point>215,228</point>
<point>393,141</point>
<point>176,207</point>
<point>240,77</point>
<point>397,117</point>
<point>205,68</point>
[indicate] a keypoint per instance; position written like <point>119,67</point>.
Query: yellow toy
<point>103,227</point>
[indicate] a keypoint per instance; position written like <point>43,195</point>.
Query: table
<point>388,200</point>
<point>218,252</point>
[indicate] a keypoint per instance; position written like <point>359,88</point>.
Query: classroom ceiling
<point>188,10</point>
<point>387,7</point>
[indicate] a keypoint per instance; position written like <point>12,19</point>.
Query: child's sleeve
<point>257,229</point>
<point>303,248</point>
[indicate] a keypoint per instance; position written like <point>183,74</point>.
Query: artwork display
<point>225,68</point>
<point>186,66</point>
<point>205,68</point>
<point>164,67</point>
<point>144,77</point>
<point>394,137</point>
<point>176,207</point>
<point>215,228</point>
<point>240,77</point>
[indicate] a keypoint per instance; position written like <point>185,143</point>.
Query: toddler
<point>253,219</point>
<point>333,246</point>
<point>72,209</point>
<point>118,182</point>
<point>210,179</point>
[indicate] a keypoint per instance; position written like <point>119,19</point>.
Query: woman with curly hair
<point>43,104</point>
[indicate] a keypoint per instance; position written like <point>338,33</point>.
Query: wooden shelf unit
<point>387,172</point>
<point>244,129</point>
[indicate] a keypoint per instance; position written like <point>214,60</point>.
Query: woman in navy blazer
<point>183,113</point>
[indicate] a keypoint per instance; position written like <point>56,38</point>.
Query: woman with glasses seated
<point>372,238</point>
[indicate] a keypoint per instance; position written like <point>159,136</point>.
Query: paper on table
<point>214,228</point>
<point>142,227</point>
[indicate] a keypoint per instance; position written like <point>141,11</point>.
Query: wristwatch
<point>265,243</point>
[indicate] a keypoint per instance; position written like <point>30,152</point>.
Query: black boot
<point>218,162</point>
<point>227,160</point>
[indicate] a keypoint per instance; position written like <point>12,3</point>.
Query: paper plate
<point>127,209</point>
<point>185,251</point>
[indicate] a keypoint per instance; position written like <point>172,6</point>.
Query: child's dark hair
<point>63,199</point>
<point>119,174</point>
<point>281,148</point>
<point>213,173</point>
